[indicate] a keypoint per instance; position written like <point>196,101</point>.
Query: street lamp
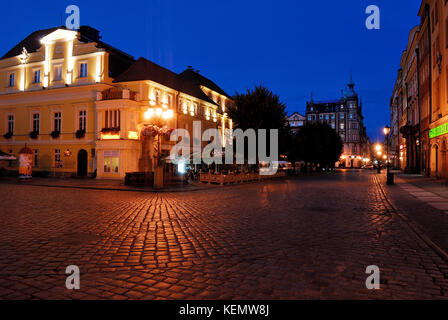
<point>390,176</point>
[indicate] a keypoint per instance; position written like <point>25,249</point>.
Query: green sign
<point>438,131</point>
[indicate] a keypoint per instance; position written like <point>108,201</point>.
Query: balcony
<point>117,94</point>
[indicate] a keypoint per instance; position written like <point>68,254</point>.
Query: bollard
<point>390,179</point>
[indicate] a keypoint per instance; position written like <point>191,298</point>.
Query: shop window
<point>111,161</point>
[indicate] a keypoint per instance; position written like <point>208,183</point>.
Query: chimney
<point>89,33</point>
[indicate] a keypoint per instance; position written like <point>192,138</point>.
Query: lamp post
<point>390,176</point>
<point>159,117</point>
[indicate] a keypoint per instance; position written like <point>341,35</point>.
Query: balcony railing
<point>116,94</point>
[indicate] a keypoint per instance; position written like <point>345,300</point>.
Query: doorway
<point>82,163</point>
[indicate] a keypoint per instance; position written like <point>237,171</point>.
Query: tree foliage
<point>260,108</point>
<point>317,143</point>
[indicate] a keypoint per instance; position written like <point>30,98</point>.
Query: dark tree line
<point>315,144</point>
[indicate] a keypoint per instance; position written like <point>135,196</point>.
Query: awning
<point>6,156</point>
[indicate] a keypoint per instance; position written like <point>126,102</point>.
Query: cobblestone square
<point>302,238</point>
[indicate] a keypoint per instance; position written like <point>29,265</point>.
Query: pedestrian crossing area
<point>430,198</point>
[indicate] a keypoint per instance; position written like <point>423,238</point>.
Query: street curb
<point>217,187</point>
<point>413,226</point>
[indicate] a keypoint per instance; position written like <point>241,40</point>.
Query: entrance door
<point>82,163</point>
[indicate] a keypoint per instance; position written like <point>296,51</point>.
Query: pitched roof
<point>31,43</point>
<point>197,78</point>
<point>144,69</point>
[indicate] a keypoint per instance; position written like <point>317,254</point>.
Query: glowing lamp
<point>133,135</point>
<point>110,136</point>
<point>386,130</point>
<point>159,112</point>
<point>168,114</point>
<point>149,114</point>
<point>181,168</point>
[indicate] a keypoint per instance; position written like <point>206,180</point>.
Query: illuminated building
<point>81,104</point>
<point>345,116</point>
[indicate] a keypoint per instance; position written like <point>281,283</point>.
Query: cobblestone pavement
<point>306,238</point>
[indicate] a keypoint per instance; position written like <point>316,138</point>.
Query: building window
<point>111,161</point>
<point>158,94</point>
<point>170,100</point>
<point>327,117</point>
<point>36,122</point>
<point>36,159</point>
<point>11,123</point>
<point>342,116</point>
<point>57,73</point>
<point>83,70</point>
<point>321,117</point>
<point>36,78</point>
<point>112,119</point>
<point>57,117</point>
<point>310,118</point>
<point>82,120</point>
<point>12,80</point>
<point>57,158</point>
<point>333,125</point>
<point>351,115</point>
<point>342,126</point>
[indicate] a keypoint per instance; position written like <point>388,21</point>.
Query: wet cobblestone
<point>307,238</point>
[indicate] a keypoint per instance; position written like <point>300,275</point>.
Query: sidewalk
<point>424,201</point>
<point>96,184</point>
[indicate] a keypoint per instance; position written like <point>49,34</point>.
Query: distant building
<point>296,120</point>
<point>345,116</point>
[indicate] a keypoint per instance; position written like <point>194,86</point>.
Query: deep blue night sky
<point>293,47</point>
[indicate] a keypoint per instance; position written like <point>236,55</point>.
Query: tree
<point>260,108</point>
<point>318,144</point>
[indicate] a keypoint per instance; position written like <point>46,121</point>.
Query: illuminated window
<point>11,123</point>
<point>112,119</point>
<point>12,80</point>
<point>83,70</point>
<point>36,122</point>
<point>36,159</point>
<point>169,100</point>
<point>82,120</point>
<point>57,72</point>
<point>57,157</point>
<point>36,78</point>
<point>342,126</point>
<point>111,161</point>
<point>57,117</point>
<point>158,95</point>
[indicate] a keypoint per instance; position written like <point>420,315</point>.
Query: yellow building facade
<point>81,104</point>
